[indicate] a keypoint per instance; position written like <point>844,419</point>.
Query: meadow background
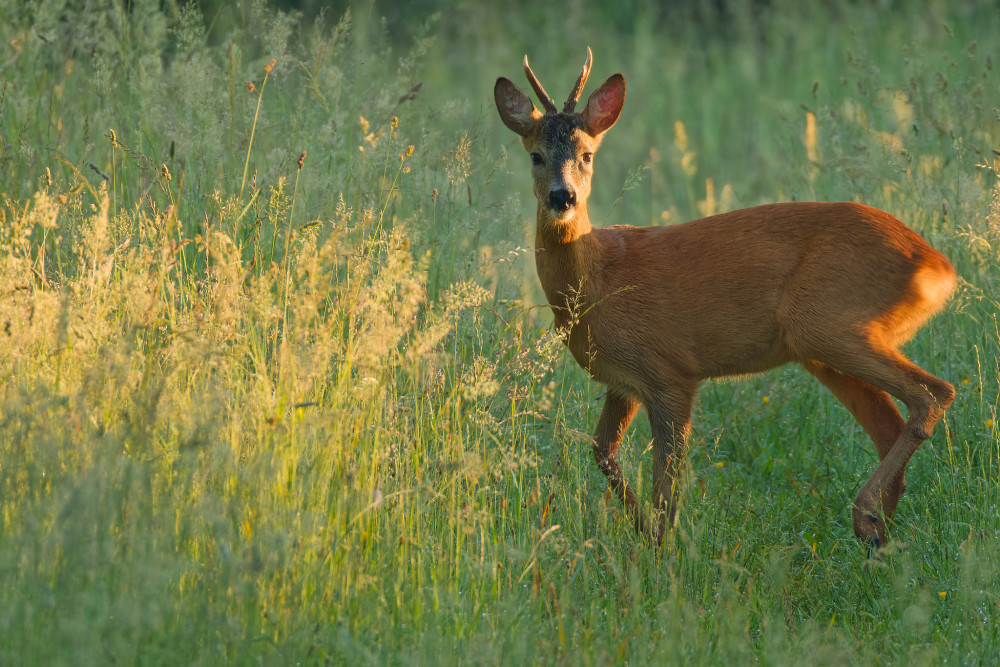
<point>276,385</point>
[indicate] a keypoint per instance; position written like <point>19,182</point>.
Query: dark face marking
<point>562,162</point>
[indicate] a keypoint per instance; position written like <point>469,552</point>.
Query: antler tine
<point>574,96</point>
<point>543,97</point>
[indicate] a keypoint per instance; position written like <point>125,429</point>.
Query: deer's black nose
<point>562,199</point>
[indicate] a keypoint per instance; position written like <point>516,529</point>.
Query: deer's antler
<point>574,96</point>
<point>543,97</point>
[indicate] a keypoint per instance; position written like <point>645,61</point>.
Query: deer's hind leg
<point>872,407</point>
<point>926,398</point>
<point>618,413</point>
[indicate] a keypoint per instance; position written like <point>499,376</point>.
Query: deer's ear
<point>604,106</point>
<point>516,110</point>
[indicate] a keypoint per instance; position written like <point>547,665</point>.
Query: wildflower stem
<point>253,129</point>
<point>388,195</point>
<point>288,240</point>
<point>114,178</point>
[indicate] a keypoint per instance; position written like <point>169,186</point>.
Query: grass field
<point>277,383</point>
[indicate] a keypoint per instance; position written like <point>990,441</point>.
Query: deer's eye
<point>536,159</point>
<point>587,157</point>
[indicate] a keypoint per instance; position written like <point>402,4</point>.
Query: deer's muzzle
<point>561,199</point>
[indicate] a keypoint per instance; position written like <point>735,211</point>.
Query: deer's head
<point>561,144</point>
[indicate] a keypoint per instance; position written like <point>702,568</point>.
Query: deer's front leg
<point>617,414</point>
<point>670,420</point>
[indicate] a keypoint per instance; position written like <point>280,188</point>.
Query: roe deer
<point>651,312</point>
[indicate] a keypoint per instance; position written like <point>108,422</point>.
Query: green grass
<point>315,414</point>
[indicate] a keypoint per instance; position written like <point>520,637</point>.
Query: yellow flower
<point>943,594</point>
<point>720,464</point>
<point>765,399</point>
<point>990,423</point>
<point>965,381</point>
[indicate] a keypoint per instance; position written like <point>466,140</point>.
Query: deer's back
<point>733,293</point>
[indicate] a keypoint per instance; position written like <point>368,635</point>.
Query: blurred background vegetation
<point>276,383</point>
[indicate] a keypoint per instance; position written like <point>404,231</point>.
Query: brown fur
<point>652,312</point>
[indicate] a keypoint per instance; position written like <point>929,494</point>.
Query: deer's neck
<point>567,256</point>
